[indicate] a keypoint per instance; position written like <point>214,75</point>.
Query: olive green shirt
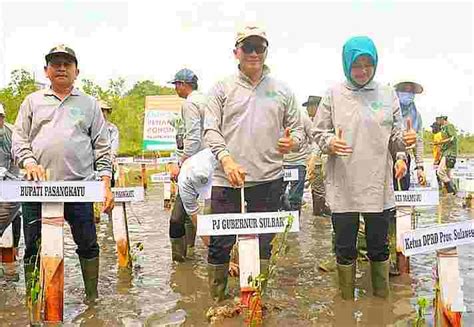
<point>450,148</point>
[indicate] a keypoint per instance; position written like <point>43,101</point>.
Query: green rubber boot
<point>380,273</point>
<point>217,277</point>
<point>90,275</point>
<point>346,275</point>
<point>178,249</point>
<point>190,236</point>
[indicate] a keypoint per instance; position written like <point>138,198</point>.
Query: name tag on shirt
<point>290,175</point>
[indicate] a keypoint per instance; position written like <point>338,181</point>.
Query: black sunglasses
<point>248,48</point>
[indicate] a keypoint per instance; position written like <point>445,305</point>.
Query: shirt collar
<point>246,79</point>
<point>74,92</point>
<point>369,87</point>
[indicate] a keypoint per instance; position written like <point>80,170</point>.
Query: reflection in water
<point>160,293</point>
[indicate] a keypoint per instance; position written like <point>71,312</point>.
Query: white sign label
<point>128,194</point>
<point>118,225</point>
<point>73,191</point>
<point>290,175</point>
<point>466,174</point>
<point>161,178</point>
<point>167,160</point>
<point>466,185</point>
<point>167,191</point>
<point>124,160</point>
<point>246,223</point>
<point>419,197</point>
<point>146,161</point>
<point>437,237</point>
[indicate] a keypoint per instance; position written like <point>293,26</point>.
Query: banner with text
<point>246,223</point>
<point>72,191</point>
<point>437,237</point>
<point>158,132</point>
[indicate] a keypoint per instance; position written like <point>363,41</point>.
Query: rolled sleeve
<point>193,134</point>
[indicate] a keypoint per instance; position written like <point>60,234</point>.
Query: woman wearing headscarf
<point>360,126</point>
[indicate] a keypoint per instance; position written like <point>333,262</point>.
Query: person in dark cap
<point>292,200</point>
<point>316,165</point>
<point>62,130</point>
<point>9,211</point>
<point>406,92</point>
<point>449,152</point>
<point>437,137</point>
<point>182,230</point>
<point>114,135</point>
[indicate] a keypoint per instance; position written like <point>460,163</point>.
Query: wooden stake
<point>52,260</point>
<point>7,249</point>
<point>249,259</point>
<point>449,301</point>
<point>144,176</point>
<point>403,224</point>
<point>120,230</point>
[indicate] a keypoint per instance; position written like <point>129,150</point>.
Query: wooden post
<point>120,229</point>
<point>448,303</point>
<point>7,248</point>
<point>249,259</point>
<point>52,260</point>
<point>143,173</point>
<point>403,224</point>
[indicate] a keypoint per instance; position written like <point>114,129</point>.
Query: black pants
<point>178,219</point>
<point>261,198</point>
<point>346,226</point>
<point>80,217</point>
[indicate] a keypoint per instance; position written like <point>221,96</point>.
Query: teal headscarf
<point>355,47</point>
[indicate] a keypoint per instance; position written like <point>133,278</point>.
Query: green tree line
<point>129,107</point>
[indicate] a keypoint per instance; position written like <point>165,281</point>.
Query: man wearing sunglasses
<point>62,130</point>
<point>251,120</point>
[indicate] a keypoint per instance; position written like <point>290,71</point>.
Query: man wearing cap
<point>406,92</point>
<point>296,161</point>
<point>437,138</point>
<point>114,136</point>
<point>182,230</point>
<point>251,120</point>
<point>449,153</point>
<point>315,165</point>
<point>62,130</point>
<point>9,212</point>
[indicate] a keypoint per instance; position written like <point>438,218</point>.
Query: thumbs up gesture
<point>286,143</point>
<point>409,136</point>
<point>338,145</point>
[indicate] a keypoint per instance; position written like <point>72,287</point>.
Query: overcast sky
<point>430,42</point>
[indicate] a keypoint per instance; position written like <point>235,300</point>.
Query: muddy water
<point>160,293</point>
